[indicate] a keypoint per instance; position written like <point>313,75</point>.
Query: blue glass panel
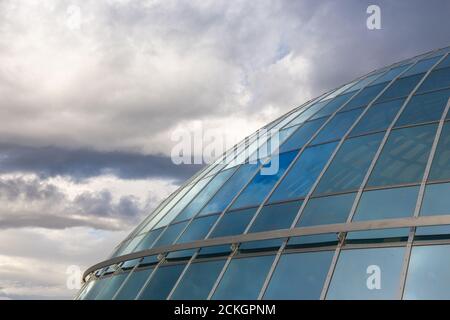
<point>171,234</point>
<point>264,181</point>
<point>305,115</point>
<point>436,200</point>
<point>180,254</point>
<point>221,250</point>
<point>198,229</point>
<point>440,168</point>
<point>200,200</point>
<point>443,64</point>
<point>299,276</point>
<point>365,96</point>
<point>224,196</point>
<point>326,210</point>
<point>391,74</point>
<point>387,204</point>
<point>357,271</point>
<point>112,286</point>
<point>428,273</point>
<point>422,66</point>
<point>442,231</point>
<point>378,117</point>
<point>162,282</point>
<point>337,127</point>
<point>276,216</point>
<point>436,80</point>
<point>148,240</point>
<point>303,173</point>
<point>261,245</point>
<point>243,278</point>
<point>348,168</point>
<point>404,156</point>
<point>424,108</point>
<point>377,236</point>
<point>333,105</point>
<point>401,87</point>
<point>133,285</point>
<point>300,137</point>
<point>233,223</point>
<point>314,240</point>
<point>93,290</point>
<point>198,280</point>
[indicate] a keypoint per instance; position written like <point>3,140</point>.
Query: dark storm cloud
<point>81,163</point>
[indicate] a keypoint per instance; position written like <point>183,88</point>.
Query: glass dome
<point>357,207</point>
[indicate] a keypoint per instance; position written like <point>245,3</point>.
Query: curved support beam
<point>282,233</point>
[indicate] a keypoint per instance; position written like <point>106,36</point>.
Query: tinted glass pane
<point>332,106</point>
<point>198,280</point>
<point>243,278</point>
<point>233,223</point>
<point>197,229</point>
<point>259,245</point>
<point>134,283</point>
<point>436,200</point>
<point>391,74</point>
<point>428,273</point>
<point>308,113</point>
<point>436,80</point>
<point>337,127</point>
<point>223,198</point>
<point>148,240</point>
<point>276,216</point>
<point>200,200</point>
<point>171,233</point>
<point>264,181</point>
<point>314,240</point>
<point>404,156</point>
<point>93,290</point>
<point>326,210</point>
<point>301,136</point>
<point>422,66</point>
<point>424,107</point>
<point>401,87</point>
<point>440,168</point>
<point>112,286</point>
<point>299,276</point>
<point>357,271</point>
<point>377,236</point>
<point>304,172</point>
<point>348,168</point>
<point>161,282</point>
<point>387,204</point>
<point>378,117</point>
<point>365,96</point>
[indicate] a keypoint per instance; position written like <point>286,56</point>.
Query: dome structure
<point>357,207</point>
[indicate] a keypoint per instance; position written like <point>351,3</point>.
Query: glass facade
<point>361,173</point>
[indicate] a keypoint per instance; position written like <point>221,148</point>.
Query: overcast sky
<point>91,92</point>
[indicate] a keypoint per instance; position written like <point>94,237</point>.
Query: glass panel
<point>387,204</point>
<point>326,210</point>
<point>358,270</point>
<point>433,232</point>
<point>183,202</point>
<point>378,236</point>
<point>443,64</point>
<point>391,74</point>
<point>441,162</point>
<point>308,113</point>
<point>436,200</point>
<point>162,282</point>
<point>264,181</point>
<point>348,168</point>
<point>261,245</point>
<point>424,108</point>
<point>300,137</point>
<point>315,240</point>
<point>92,291</point>
<point>401,87</point>
<point>276,216</point>
<point>422,66</point>
<point>233,223</point>
<point>243,278</point>
<point>171,233</point>
<point>378,117</point>
<point>198,229</point>
<point>200,200</point>
<point>365,96</point>
<point>303,173</point>
<point>364,82</point>
<point>404,156</point>
<point>112,286</point>
<point>436,80</point>
<point>133,285</point>
<point>180,255</point>
<point>428,273</point>
<point>224,196</point>
<point>299,276</point>
<point>337,127</point>
<point>198,280</point>
<point>332,106</point>
<point>148,240</point>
